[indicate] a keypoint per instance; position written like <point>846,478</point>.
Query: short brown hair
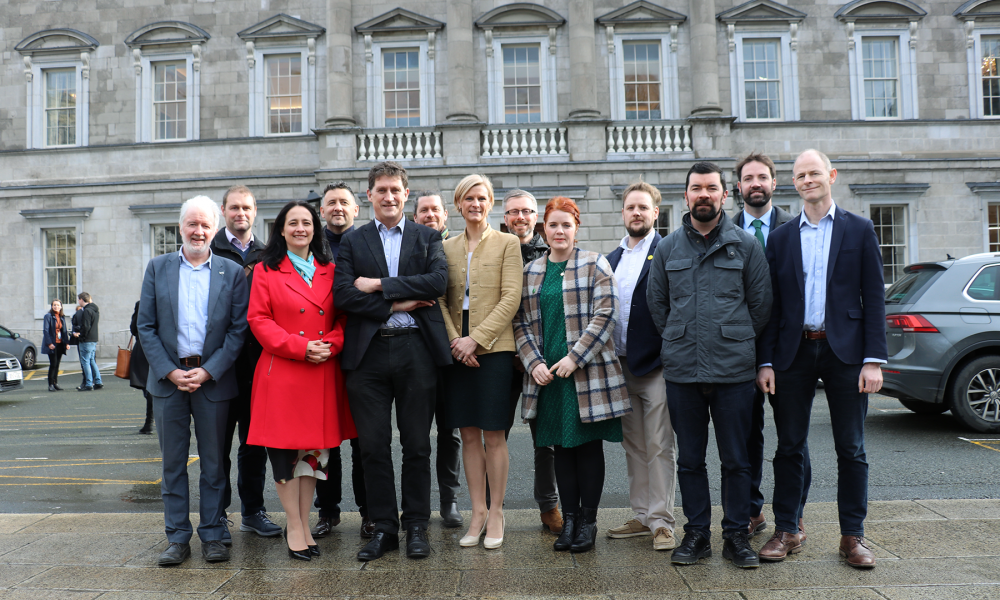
<point>238,189</point>
<point>754,157</point>
<point>642,186</point>
<point>388,169</point>
<point>83,296</point>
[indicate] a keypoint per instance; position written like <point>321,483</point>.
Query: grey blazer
<point>228,297</point>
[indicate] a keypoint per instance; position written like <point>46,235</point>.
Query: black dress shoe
<point>450,516</point>
<point>52,388</point>
<point>694,546</point>
<point>214,551</point>
<point>56,385</point>
<point>98,386</point>
<point>381,543</point>
<point>147,429</point>
<point>417,545</point>
<point>84,388</point>
<point>314,550</point>
<point>324,527</point>
<point>175,554</point>
<point>565,539</point>
<point>367,528</point>
<point>737,549</point>
<point>586,531</point>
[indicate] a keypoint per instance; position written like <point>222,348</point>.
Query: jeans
<point>729,406</point>
<point>91,375</point>
<point>755,452</point>
<point>795,389</point>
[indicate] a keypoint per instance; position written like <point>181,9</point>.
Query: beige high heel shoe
<point>468,541</point>
<point>494,543</point>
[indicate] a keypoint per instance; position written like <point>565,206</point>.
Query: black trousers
<point>330,493</point>
<point>396,370</point>
<point>54,359</point>
<point>449,452</point>
<point>545,470</point>
<point>580,475</point>
<point>755,453</point>
<point>251,461</point>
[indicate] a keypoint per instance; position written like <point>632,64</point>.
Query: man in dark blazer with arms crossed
<point>389,274</point>
<point>827,321</point>
<point>755,176</point>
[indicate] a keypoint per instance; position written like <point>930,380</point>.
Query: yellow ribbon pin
<point>650,257</point>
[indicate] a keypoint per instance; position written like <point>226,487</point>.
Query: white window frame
<point>374,81</point>
<point>907,54</point>
<point>547,76</point>
<point>912,250</point>
<point>36,103</point>
<point>258,90</point>
<point>974,57</point>
<point>72,219</point>
<point>669,81</point>
<point>144,99</point>
<point>789,84</point>
<point>987,203</point>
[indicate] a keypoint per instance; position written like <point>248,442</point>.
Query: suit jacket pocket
<point>856,313</point>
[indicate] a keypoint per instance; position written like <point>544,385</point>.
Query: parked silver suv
<point>943,332</point>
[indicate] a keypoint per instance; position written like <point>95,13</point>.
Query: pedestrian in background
<point>88,337</point>
<point>55,335</point>
<point>138,371</point>
<point>574,385</point>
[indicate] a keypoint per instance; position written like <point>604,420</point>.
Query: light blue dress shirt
<point>392,239</point>
<point>765,228</point>
<point>815,257</point>
<point>192,306</point>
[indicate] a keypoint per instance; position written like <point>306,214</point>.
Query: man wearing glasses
<point>520,215</point>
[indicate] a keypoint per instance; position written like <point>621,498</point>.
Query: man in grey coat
<point>709,294</point>
<point>192,322</point>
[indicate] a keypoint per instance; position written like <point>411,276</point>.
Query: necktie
<point>757,223</point>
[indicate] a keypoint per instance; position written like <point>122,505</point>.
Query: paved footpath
<point>926,549</point>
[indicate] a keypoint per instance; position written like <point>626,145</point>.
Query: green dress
<point>558,408</point>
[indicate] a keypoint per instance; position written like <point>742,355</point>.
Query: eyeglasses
<point>515,212</point>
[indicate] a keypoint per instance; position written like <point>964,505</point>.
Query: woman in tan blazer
<point>484,293</point>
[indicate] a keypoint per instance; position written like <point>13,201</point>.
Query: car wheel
<point>923,408</point>
<point>28,360</point>
<point>975,396</point>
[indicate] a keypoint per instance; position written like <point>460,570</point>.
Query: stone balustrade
<point>633,137</point>
<point>525,140</point>
<point>399,144</point>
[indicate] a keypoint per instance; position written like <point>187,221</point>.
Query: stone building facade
<point>112,112</point>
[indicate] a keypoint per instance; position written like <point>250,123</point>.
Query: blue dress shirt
<point>192,306</point>
<point>765,228</point>
<point>392,239</point>
<point>815,257</point>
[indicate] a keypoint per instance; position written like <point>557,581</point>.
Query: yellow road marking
<point>24,480</point>
<point>989,444</point>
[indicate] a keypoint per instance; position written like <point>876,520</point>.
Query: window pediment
<point>880,11</point>
<point>56,41</point>
<point>520,14</point>
<point>399,20</point>
<point>761,11</point>
<point>164,33</point>
<point>978,9</point>
<point>281,27</point>
<point>641,13</point>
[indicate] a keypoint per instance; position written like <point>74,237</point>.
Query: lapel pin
<point>650,257</point>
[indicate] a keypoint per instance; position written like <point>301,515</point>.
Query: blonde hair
<point>468,182</point>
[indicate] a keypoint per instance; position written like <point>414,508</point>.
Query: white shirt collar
<point>803,219</point>
<point>642,243</point>
<point>235,240</point>
<point>381,226</point>
<point>765,218</point>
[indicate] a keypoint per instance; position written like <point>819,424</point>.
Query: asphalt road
<point>80,452</point>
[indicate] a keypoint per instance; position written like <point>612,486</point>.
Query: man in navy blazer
<point>827,321</point>
<point>389,275</point>
<point>192,323</point>
<point>648,437</point>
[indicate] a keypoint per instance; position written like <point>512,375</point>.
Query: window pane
<point>401,90</point>
<point>762,79</point>
<point>60,265</point>
<point>60,107</point>
<point>284,93</point>
<point>890,229</point>
<point>169,101</point>
<point>522,91</point>
<point>984,286</point>
<point>991,81</point>
<point>643,76</point>
<point>663,221</point>
<point>165,239</point>
<point>880,74</point>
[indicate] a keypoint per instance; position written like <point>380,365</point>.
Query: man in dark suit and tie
<point>827,321</point>
<point>389,275</point>
<point>648,436</point>
<point>755,176</point>
<point>192,323</point>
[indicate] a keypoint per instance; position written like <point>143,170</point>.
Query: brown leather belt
<point>191,361</point>
<point>814,335</point>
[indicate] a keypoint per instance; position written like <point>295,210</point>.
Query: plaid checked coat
<point>592,310</point>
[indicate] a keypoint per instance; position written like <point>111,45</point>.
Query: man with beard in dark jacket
<point>237,243</point>
<point>520,215</point>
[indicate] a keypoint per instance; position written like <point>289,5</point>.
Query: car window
<point>984,286</point>
<point>5,334</point>
<point>906,288</point>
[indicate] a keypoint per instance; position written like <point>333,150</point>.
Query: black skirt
<point>478,396</point>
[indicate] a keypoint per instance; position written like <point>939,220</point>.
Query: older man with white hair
<point>192,321</point>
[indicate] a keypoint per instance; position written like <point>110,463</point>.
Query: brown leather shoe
<point>856,551</point>
<point>367,528</point>
<point>552,520</point>
<point>757,525</point>
<point>781,545</point>
<point>802,526</point>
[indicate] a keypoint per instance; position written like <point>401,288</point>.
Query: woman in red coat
<point>299,404</point>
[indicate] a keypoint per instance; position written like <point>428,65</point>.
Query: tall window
<point>166,239</point>
<point>170,101</point>
<point>401,88</point>
<point>663,221</point>
<point>991,79</point>
<point>762,78</point>
<point>60,265</point>
<point>643,85</point>
<point>60,107</point>
<point>284,93</point>
<point>993,216</point>
<point>522,85</point>
<point>890,229</point>
<point>880,65</point>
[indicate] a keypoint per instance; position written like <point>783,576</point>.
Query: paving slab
<point>11,575</point>
<point>317,582</point>
<point>10,543</point>
<point>964,509</point>
<point>951,592</point>
<point>48,595</point>
<point>101,523</point>
<point>937,538</point>
<point>11,523</point>
<point>572,582</point>
<point>813,594</point>
<point>109,549</point>
<point>154,579</point>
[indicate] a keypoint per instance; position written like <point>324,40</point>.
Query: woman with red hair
<point>573,383</point>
